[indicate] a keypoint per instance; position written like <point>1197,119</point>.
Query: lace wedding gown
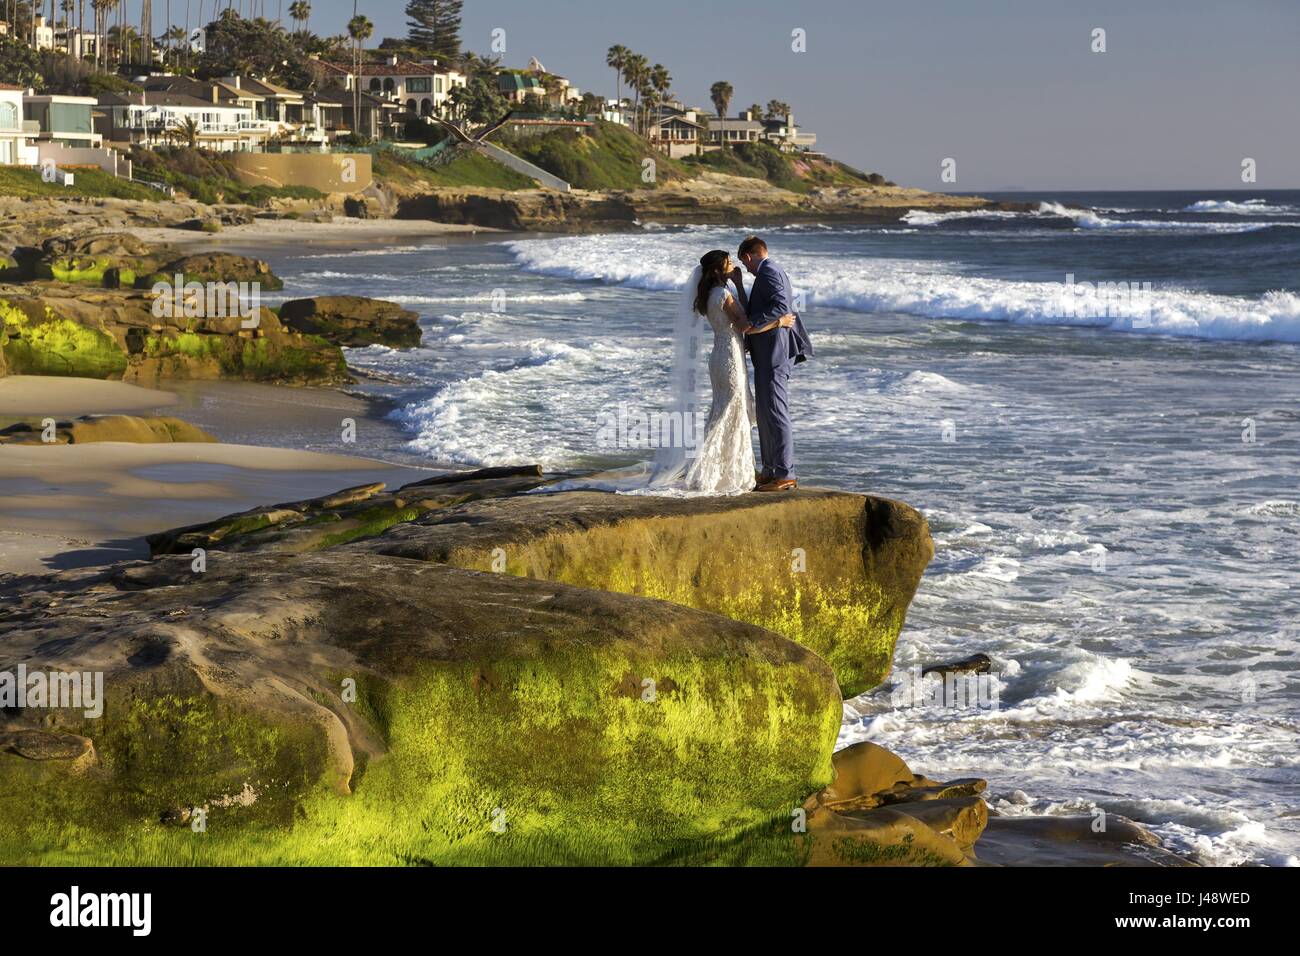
<point>723,463</point>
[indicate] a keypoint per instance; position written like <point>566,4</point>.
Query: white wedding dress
<point>723,463</point>
<point>708,459</point>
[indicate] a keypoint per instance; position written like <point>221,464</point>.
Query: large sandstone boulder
<point>352,707</point>
<point>150,430</point>
<point>353,321</point>
<point>118,334</point>
<point>832,571</point>
<point>216,267</point>
<point>112,260</point>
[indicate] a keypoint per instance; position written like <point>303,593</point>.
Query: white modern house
<point>63,120</point>
<point>16,133</point>
<point>153,118</point>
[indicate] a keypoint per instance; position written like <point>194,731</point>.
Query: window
<point>8,116</point>
<point>419,84</point>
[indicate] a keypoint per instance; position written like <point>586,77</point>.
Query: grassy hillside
<point>610,157</point>
<point>469,168</point>
<point>789,171</point>
<point>27,184</point>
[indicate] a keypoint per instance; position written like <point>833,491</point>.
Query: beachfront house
<point>677,131</point>
<point>422,88</point>
<point>16,133</point>
<point>379,118</point>
<point>745,128</point>
<point>63,120</point>
<point>782,133</point>
<point>224,120</point>
<point>521,88</point>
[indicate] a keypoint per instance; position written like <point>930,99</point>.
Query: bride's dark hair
<point>713,272</point>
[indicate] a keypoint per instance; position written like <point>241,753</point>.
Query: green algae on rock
<point>335,707</point>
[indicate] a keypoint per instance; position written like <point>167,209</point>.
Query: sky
<point>1011,90</point>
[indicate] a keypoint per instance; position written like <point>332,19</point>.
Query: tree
<point>721,93</point>
<point>360,29</point>
<point>435,26</point>
<point>478,102</point>
<point>300,13</point>
<point>187,131</point>
<point>616,59</point>
<point>778,110</point>
<point>635,70</point>
<point>19,62</point>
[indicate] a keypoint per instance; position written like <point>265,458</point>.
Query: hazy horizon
<point>1013,91</point>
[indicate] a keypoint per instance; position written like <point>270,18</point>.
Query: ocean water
<point>1110,473</point>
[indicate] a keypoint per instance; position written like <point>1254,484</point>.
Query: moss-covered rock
<point>833,571</point>
<point>346,708</point>
<point>37,341</point>
<point>127,335</point>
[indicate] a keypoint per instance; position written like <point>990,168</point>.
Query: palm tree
<point>634,71</point>
<point>300,12</point>
<point>188,132</point>
<point>360,29</point>
<point>616,59</point>
<point>777,109</point>
<point>721,93</point>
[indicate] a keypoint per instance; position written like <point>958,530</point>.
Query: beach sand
<point>65,506</point>
<point>301,232</point>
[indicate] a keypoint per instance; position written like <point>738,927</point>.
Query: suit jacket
<point>771,297</point>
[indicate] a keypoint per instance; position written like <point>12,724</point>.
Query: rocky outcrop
<point>123,261</point>
<point>102,428</point>
<point>470,670</point>
<point>712,198</point>
<point>353,321</point>
<point>877,812</point>
<point>350,706</point>
<point>835,572</point>
<point>53,329</point>
<point>217,267</point>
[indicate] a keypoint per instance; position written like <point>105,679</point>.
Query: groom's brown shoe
<point>761,478</point>
<point>778,484</point>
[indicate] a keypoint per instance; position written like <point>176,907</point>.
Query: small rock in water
<point>977,664</point>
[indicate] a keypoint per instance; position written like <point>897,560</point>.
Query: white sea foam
<point>923,289</point>
<point>1249,207</point>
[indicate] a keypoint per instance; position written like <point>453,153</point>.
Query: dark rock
<point>353,321</point>
<point>977,664</point>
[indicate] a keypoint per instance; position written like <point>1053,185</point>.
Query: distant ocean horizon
<point>1095,403</point>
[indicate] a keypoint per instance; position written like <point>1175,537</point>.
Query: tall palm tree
<point>721,94</point>
<point>616,59</point>
<point>634,71</point>
<point>360,29</point>
<point>300,12</point>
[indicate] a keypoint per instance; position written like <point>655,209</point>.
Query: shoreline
<point>86,505</point>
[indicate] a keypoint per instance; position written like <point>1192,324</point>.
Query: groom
<point>774,353</point>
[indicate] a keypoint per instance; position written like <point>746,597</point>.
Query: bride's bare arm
<point>736,312</point>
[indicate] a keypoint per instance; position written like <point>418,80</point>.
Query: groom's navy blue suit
<point>774,354</point>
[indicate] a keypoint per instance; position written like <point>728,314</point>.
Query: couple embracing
<point>763,323</point>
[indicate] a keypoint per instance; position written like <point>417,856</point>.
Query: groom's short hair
<point>753,245</point>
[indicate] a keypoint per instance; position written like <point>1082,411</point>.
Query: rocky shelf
<point>472,669</point>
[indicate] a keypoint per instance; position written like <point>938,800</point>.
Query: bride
<point>723,462</point>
